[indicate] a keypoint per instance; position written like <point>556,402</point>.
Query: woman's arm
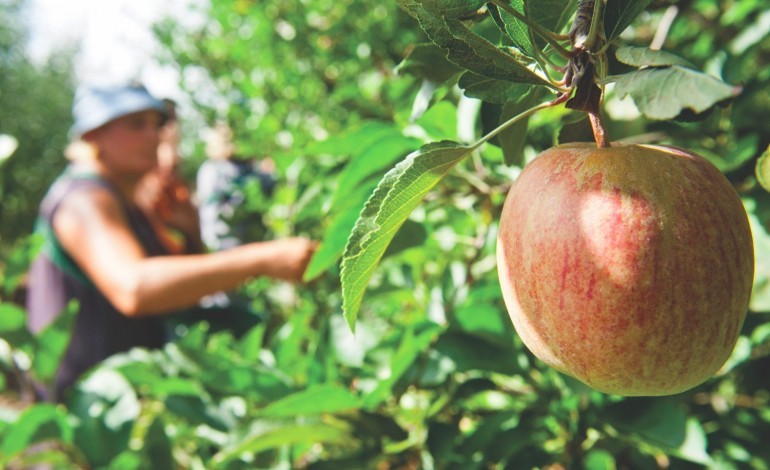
<point>93,229</point>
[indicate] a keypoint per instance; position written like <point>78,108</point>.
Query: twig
<point>510,122</point>
<point>664,27</point>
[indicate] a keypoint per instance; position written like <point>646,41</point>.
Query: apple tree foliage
<point>35,101</point>
<point>396,129</point>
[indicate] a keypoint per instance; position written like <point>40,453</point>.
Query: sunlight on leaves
<point>664,93</point>
<point>322,398</point>
<point>644,56</point>
<point>763,170</point>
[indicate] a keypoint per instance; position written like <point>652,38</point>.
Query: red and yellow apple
<point>629,268</point>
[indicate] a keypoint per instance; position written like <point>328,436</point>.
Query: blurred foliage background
<point>435,376</point>
<point>35,104</point>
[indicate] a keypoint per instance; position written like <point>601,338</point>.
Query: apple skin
<point>629,268</point>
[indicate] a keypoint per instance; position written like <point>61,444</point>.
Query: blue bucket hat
<point>95,107</point>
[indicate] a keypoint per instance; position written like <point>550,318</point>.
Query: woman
<point>100,249</point>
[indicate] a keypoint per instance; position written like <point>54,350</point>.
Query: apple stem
<point>600,132</point>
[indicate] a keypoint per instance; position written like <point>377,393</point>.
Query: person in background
<point>221,183</point>
<point>100,248</point>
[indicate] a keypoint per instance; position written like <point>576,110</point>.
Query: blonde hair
<point>81,151</point>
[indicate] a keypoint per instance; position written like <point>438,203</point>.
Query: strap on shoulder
<point>54,251</point>
<point>52,247</point>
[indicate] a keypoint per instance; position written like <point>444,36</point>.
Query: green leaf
<point>619,14</point>
<point>468,50</point>
<point>516,29</point>
<point>665,424</point>
<point>239,380</point>
<point>475,53</point>
<point>12,318</point>
<point>512,139</point>
<point>484,436</point>
<point>741,353</point>
<point>576,131</point>
<point>350,350</point>
<point>491,90</point>
<point>599,460</point>
<point>13,326</point>
<point>489,400</point>
<point>644,56</point>
<point>333,243</point>
<point>373,159</point>
<point>659,422</point>
<point>397,195</point>
<point>325,398</point>
<point>151,437</point>
<point>377,151</point>
<point>250,344</point>
<point>143,373</point>
<point>763,170</point>
<point>760,293</point>
<point>410,235</point>
<point>664,93</point>
<point>52,342</point>
<point>751,35</point>
<point>165,386</point>
<point>107,407</point>
<point>352,141</point>
<point>197,410</point>
<point>128,460</point>
<point>453,9</point>
<point>412,343</point>
<point>694,448</point>
<point>440,121</point>
<point>38,423</point>
<point>279,436</point>
<point>473,353</point>
<point>118,401</point>
<point>486,320</point>
<point>16,264</point>
<point>428,61</point>
<point>551,14</point>
<point>761,334</point>
<point>734,154</point>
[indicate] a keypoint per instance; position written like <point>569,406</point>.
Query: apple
<point>629,267</point>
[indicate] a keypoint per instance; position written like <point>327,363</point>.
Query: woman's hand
<point>163,196</point>
<point>289,258</point>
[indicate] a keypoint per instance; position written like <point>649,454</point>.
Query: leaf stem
<point>585,63</point>
<point>548,36</point>
<point>492,134</point>
<point>587,30</point>
<point>597,24</point>
<point>541,57</point>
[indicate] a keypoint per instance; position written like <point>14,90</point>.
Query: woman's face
<point>129,145</point>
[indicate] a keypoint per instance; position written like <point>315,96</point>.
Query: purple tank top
<point>100,330</point>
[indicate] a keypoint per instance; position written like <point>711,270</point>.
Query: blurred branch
<point>664,27</point>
